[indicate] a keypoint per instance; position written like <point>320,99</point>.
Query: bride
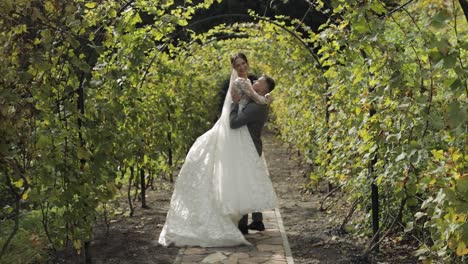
<point>222,178</point>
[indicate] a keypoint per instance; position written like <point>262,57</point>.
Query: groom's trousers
<point>257,216</point>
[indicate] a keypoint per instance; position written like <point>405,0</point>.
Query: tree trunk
<point>16,217</point>
<point>143,188</point>
<point>129,195</point>
<point>374,187</point>
<point>87,252</point>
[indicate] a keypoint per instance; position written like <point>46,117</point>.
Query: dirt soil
<point>312,234</point>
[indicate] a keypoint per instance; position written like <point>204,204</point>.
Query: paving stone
<point>240,255</point>
<point>245,249</point>
<point>219,249</point>
<point>272,241</point>
<point>277,256</point>
<point>264,254</point>
<point>229,261</point>
<point>276,262</point>
<point>194,251</point>
<point>225,251</point>
<point>268,247</point>
<point>253,260</point>
<point>272,233</point>
<point>193,258</point>
<point>269,215</point>
<point>213,258</point>
<point>279,251</point>
<point>253,233</point>
<point>234,258</point>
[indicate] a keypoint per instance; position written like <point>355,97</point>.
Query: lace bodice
<point>244,88</point>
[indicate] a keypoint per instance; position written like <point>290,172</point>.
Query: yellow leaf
<point>460,218</point>
<point>49,7</point>
<point>456,155</point>
<point>25,195</point>
<point>182,22</point>
<point>357,110</point>
<point>462,249</point>
<point>438,154</point>
<point>77,244</point>
<point>90,5</point>
<point>379,179</point>
<point>19,183</point>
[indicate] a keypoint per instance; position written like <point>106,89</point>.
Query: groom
<point>254,116</point>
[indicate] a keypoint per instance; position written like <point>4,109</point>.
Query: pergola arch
<point>239,19</point>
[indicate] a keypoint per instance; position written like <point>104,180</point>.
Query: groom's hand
<point>235,96</point>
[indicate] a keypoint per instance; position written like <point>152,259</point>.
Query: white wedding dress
<point>222,178</point>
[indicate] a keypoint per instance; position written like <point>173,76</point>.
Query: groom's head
<point>264,85</point>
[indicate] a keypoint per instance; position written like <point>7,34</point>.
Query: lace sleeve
<point>245,86</point>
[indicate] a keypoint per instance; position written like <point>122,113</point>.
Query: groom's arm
<point>251,113</point>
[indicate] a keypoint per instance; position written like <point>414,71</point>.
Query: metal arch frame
<point>253,17</point>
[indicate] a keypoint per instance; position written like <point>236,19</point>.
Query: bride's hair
<point>237,56</point>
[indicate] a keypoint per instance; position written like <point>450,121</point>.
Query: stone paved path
<point>268,247</point>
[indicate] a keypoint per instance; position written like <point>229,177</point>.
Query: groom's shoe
<point>244,229</point>
<point>257,225</point>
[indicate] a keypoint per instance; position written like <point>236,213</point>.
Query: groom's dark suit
<point>254,116</point>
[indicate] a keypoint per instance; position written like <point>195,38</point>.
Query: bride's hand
<point>240,79</point>
<point>269,98</point>
<point>235,95</point>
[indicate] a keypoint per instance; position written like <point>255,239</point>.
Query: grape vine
<point>95,95</point>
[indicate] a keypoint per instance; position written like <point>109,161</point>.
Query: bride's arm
<point>235,92</point>
<point>246,86</point>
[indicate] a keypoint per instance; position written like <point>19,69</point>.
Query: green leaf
<point>419,215</point>
<point>440,19</point>
<point>400,157</point>
<point>461,206</point>
<point>463,44</point>
<point>25,195</point>
<point>456,84</point>
<point>83,153</point>
<point>413,201</point>
<point>77,244</point>
<point>360,25</point>
<point>450,60</point>
<point>464,233</point>
<point>8,209</point>
<point>462,249</point>
<point>462,186</point>
<point>438,154</point>
<point>19,183</point>
<point>457,114</point>
<point>4,149</point>
<point>424,249</point>
<point>378,8</point>
<point>427,202</point>
<point>90,5</point>
<point>43,141</point>
<point>409,226</point>
<point>182,22</point>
